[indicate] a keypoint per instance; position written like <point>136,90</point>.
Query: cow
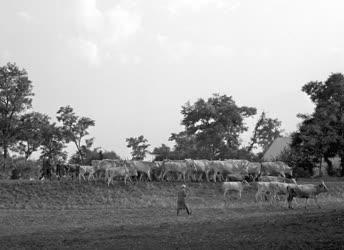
<point>221,169</point>
<point>156,171</point>
<point>73,170</point>
<point>178,167</point>
<point>240,166</point>
<point>277,168</point>
<point>201,168</point>
<point>254,169</point>
<point>46,171</point>
<point>234,186</point>
<point>98,172</point>
<point>118,169</point>
<point>306,191</point>
<point>61,170</point>
<point>143,167</point>
<point>217,169</point>
<point>86,170</point>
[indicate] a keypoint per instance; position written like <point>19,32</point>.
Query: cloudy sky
<point>131,65</point>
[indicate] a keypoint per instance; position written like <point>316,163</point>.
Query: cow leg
<point>207,176</point>
<point>258,194</point>
<point>316,202</point>
<point>163,176</point>
<point>214,177</point>
<point>306,203</point>
<point>149,175</point>
<point>239,195</point>
<point>289,200</point>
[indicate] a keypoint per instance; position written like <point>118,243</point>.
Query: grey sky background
<point>131,65</point>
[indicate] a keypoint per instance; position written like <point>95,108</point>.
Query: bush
<point>25,169</point>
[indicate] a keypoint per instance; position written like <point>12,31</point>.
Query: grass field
<point>91,215</point>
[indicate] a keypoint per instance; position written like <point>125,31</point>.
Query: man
<point>181,201</point>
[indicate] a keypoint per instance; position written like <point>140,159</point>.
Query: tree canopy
<point>75,128</point>
<point>15,98</point>
<point>138,146</point>
<point>212,128</point>
<point>321,134</point>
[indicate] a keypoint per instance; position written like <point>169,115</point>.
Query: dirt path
<point>153,229</point>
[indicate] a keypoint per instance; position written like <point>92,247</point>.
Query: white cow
<point>306,191</point>
<point>237,187</point>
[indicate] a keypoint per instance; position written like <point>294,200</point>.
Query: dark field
<point>142,216</point>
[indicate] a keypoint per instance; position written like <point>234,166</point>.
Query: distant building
<point>276,148</point>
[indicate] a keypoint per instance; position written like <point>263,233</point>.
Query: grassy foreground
<point>67,215</point>
<point>73,195</point>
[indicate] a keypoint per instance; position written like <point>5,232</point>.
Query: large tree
<point>75,129</point>
<point>138,147</point>
<point>15,98</point>
<point>322,133</point>
<point>213,127</point>
<point>30,133</point>
<point>265,132</point>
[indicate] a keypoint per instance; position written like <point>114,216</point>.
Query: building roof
<point>276,148</point>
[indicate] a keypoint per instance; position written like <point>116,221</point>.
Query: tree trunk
<point>5,153</point>
<point>329,166</point>
<point>342,164</point>
<point>320,168</point>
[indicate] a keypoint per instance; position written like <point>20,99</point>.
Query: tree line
<point>212,128</point>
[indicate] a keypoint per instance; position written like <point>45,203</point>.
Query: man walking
<point>181,201</point>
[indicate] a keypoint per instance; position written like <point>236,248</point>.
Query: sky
<point>130,65</point>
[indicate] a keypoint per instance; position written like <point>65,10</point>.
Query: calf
<point>306,191</point>
<point>90,170</point>
<point>273,189</point>
<point>234,186</point>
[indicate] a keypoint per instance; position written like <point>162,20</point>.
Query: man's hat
<point>183,186</point>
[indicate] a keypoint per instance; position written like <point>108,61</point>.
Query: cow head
<point>323,187</point>
<point>245,183</point>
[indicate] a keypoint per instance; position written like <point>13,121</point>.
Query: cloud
<point>122,23</point>
<point>113,24</point>
<point>87,50</point>
<point>24,15</point>
<point>108,29</point>
<point>176,6</point>
<point>176,50</point>
<point>89,17</point>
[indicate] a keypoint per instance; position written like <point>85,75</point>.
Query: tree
<point>30,132</point>
<point>162,153</point>
<point>322,133</point>
<point>265,132</point>
<point>15,98</point>
<point>75,128</point>
<point>138,146</point>
<point>213,127</point>
<point>53,143</point>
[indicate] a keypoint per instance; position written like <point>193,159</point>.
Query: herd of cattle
<point>272,179</point>
<point>168,170</point>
